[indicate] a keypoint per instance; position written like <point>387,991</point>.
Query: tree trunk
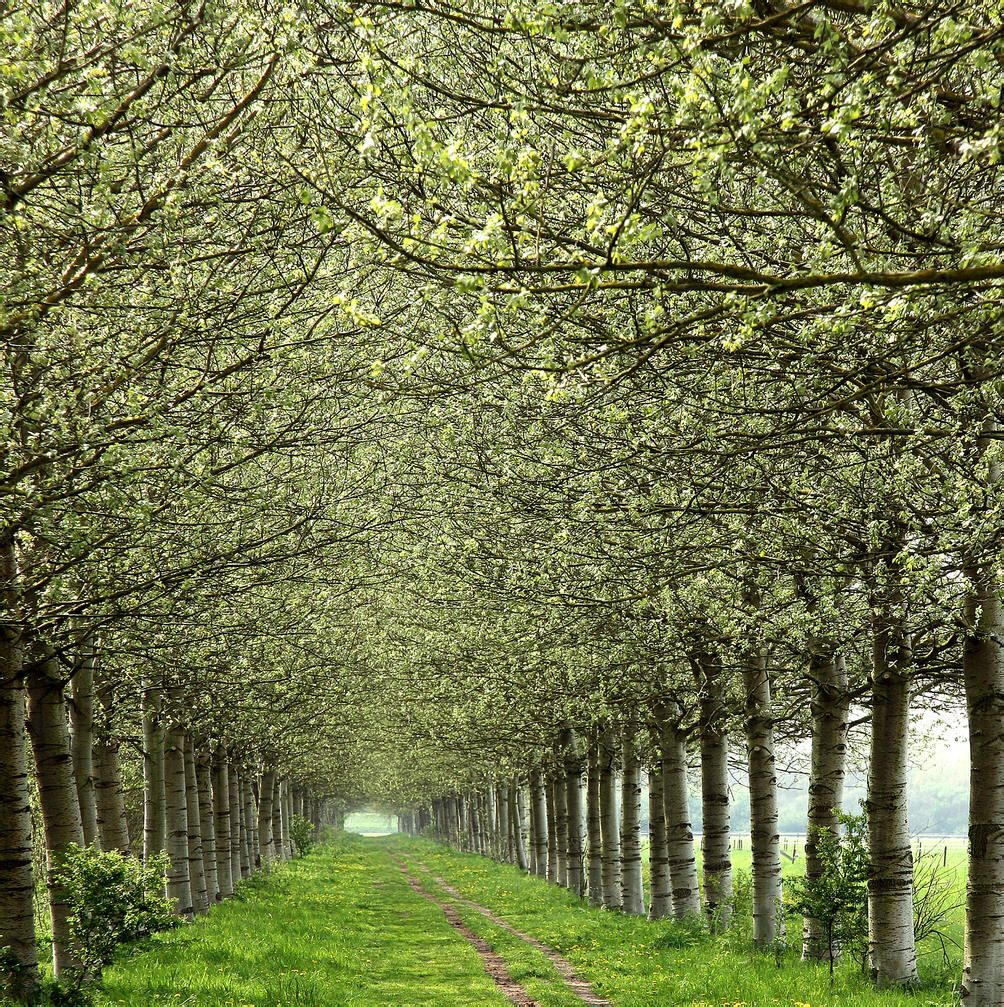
<point>207,820</point>
<point>266,794</point>
<point>561,825</point>
<point>196,858</point>
<point>594,835</point>
<point>179,884</point>
<point>829,708</point>
<point>716,830</point>
<point>679,828</point>
<point>538,823</point>
<point>154,814</point>
<point>610,822</point>
<point>279,818</point>
<point>250,839</point>
<point>221,806</point>
<point>983,667</point>
<point>552,829</point>
<point>113,826</point>
<point>575,875</point>
<point>660,895</point>
<point>57,794</point>
<point>768,918</point>
<point>632,891</point>
<point>19,974</point>
<point>517,828</point>
<point>891,946</point>
<point>82,741</point>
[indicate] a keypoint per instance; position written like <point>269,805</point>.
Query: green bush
<point>113,899</point>
<point>302,831</point>
<point>838,899</point>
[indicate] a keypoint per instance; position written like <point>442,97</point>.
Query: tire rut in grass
<point>572,980</point>
<point>493,963</point>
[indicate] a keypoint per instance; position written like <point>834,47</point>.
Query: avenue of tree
<point>483,408</point>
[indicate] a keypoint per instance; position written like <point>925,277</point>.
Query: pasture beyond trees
<point>490,415</point>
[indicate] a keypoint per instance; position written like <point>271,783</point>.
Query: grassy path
<point>345,927</point>
<point>339,928</point>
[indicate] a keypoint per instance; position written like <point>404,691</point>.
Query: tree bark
<point>207,821</point>
<point>552,829</point>
<point>113,826</point>
<point>561,825</point>
<point>154,801</point>
<point>829,708</point>
<point>891,946</point>
<point>538,823</point>
<point>594,836</point>
<point>660,894</point>
<point>610,822</point>
<point>575,875</point>
<point>82,741</point>
<point>179,884</point>
<point>250,839</point>
<point>266,795</point>
<point>19,978</point>
<point>517,828</point>
<point>716,829</point>
<point>768,918</point>
<point>196,858</point>
<point>983,668</point>
<point>57,794</point>
<point>221,807</point>
<point>686,896</point>
<point>632,891</point>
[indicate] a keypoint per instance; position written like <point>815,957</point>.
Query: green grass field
<point>341,927</point>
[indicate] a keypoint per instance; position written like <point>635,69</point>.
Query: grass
<point>341,927</point>
<point>636,963</point>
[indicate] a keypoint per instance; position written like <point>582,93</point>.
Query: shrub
<point>302,831</point>
<point>112,899</point>
<point>838,898</point>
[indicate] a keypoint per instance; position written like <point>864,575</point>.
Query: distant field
<point>370,823</point>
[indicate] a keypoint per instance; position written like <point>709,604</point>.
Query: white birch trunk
<point>154,813</point>
<point>19,980</point>
<point>196,860</point>
<point>891,948</point>
<point>207,822</point>
<point>610,822</point>
<point>632,891</point>
<point>517,828</point>
<point>221,806</point>
<point>538,823</point>
<point>660,894</point>
<point>983,667</point>
<point>575,874</point>
<point>250,840</point>
<point>561,825</point>
<point>279,849</point>
<point>768,918</point>
<point>113,826</point>
<point>552,829</point>
<point>57,794</point>
<point>829,708</point>
<point>179,885</point>
<point>716,828</point>
<point>266,793</point>
<point>594,835</point>
<point>82,741</point>
<point>679,827</point>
